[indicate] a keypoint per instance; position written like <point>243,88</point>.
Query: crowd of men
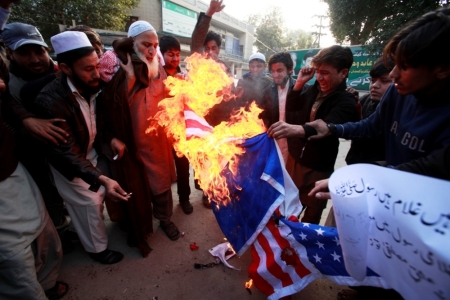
<point>72,133</point>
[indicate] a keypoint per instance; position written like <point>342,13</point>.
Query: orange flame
<point>206,85</point>
<point>249,284</point>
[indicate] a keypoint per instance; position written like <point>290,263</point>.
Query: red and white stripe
<point>270,274</point>
<point>196,126</point>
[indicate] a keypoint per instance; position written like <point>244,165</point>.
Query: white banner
<point>397,224</point>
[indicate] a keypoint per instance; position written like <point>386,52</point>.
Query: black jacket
<point>436,164</point>
<point>271,104</point>
<point>57,101</point>
<point>366,150</point>
<point>338,107</point>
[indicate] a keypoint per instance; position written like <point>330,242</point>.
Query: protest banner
<point>403,222</point>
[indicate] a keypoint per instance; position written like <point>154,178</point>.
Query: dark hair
<point>168,42</point>
<point>93,36</point>
<point>282,57</point>
<point>337,56</point>
<point>211,35</point>
<point>424,42</point>
<point>308,54</point>
<point>381,68</point>
<point>70,57</point>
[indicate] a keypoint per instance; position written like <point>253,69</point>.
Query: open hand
<point>282,129</point>
<point>45,130</point>
<point>214,6</point>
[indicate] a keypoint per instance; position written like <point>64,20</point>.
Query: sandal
<point>55,292</point>
<point>171,230</point>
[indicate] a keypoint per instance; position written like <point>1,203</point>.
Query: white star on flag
<point>320,245</point>
<point>317,258</point>
<point>337,241</point>
<point>335,256</point>
<point>320,231</point>
<point>303,236</point>
<point>306,225</point>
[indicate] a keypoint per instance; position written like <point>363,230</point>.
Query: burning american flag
<point>242,171</point>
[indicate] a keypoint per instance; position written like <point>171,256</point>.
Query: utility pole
<point>318,34</point>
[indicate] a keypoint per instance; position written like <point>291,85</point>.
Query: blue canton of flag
<point>323,248</point>
<point>256,191</point>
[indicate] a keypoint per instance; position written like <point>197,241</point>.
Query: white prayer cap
<point>139,27</point>
<point>257,55</point>
<point>69,40</point>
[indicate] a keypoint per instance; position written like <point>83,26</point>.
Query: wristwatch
<point>332,128</point>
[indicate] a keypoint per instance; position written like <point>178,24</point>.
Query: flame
<point>206,85</point>
<point>249,284</point>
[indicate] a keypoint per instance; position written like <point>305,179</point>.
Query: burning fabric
<point>193,96</point>
<point>241,169</point>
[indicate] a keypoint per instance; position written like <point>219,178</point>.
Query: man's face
<point>409,80</point>
<point>146,44</point>
<point>172,59</point>
<point>257,67</point>
<point>84,73</point>
<point>33,58</point>
<point>379,85</point>
<point>329,78</point>
<point>279,73</point>
<point>212,49</point>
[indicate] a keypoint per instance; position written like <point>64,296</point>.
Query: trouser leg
<point>18,279</point>
<point>305,179</point>
<point>38,168</point>
<point>88,223</point>
<point>183,187</point>
<point>163,206</point>
<point>48,256</point>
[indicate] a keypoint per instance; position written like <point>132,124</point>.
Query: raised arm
<point>202,26</point>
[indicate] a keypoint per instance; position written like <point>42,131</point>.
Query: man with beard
<point>281,67</point>
<point>30,62</point>
<point>133,95</point>
<point>307,161</point>
<point>76,98</point>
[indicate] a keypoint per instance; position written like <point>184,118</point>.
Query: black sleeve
<point>68,158</point>
<point>32,88</point>
<point>436,164</point>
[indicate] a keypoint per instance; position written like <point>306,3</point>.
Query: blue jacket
<point>412,128</point>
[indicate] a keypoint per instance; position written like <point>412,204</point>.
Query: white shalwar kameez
<point>84,206</point>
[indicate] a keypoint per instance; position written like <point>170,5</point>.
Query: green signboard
<point>178,20</point>
<point>358,77</point>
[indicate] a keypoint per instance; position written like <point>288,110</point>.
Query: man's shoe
<point>187,207</point>
<point>206,201</point>
<point>107,257</point>
<point>171,230</point>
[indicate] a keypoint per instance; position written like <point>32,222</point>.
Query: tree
<point>269,31</point>
<point>298,39</point>
<point>47,14</point>
<point>271,35</point>
<point>362,21</point>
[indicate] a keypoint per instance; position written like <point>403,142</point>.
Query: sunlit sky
<point>298,14</point>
